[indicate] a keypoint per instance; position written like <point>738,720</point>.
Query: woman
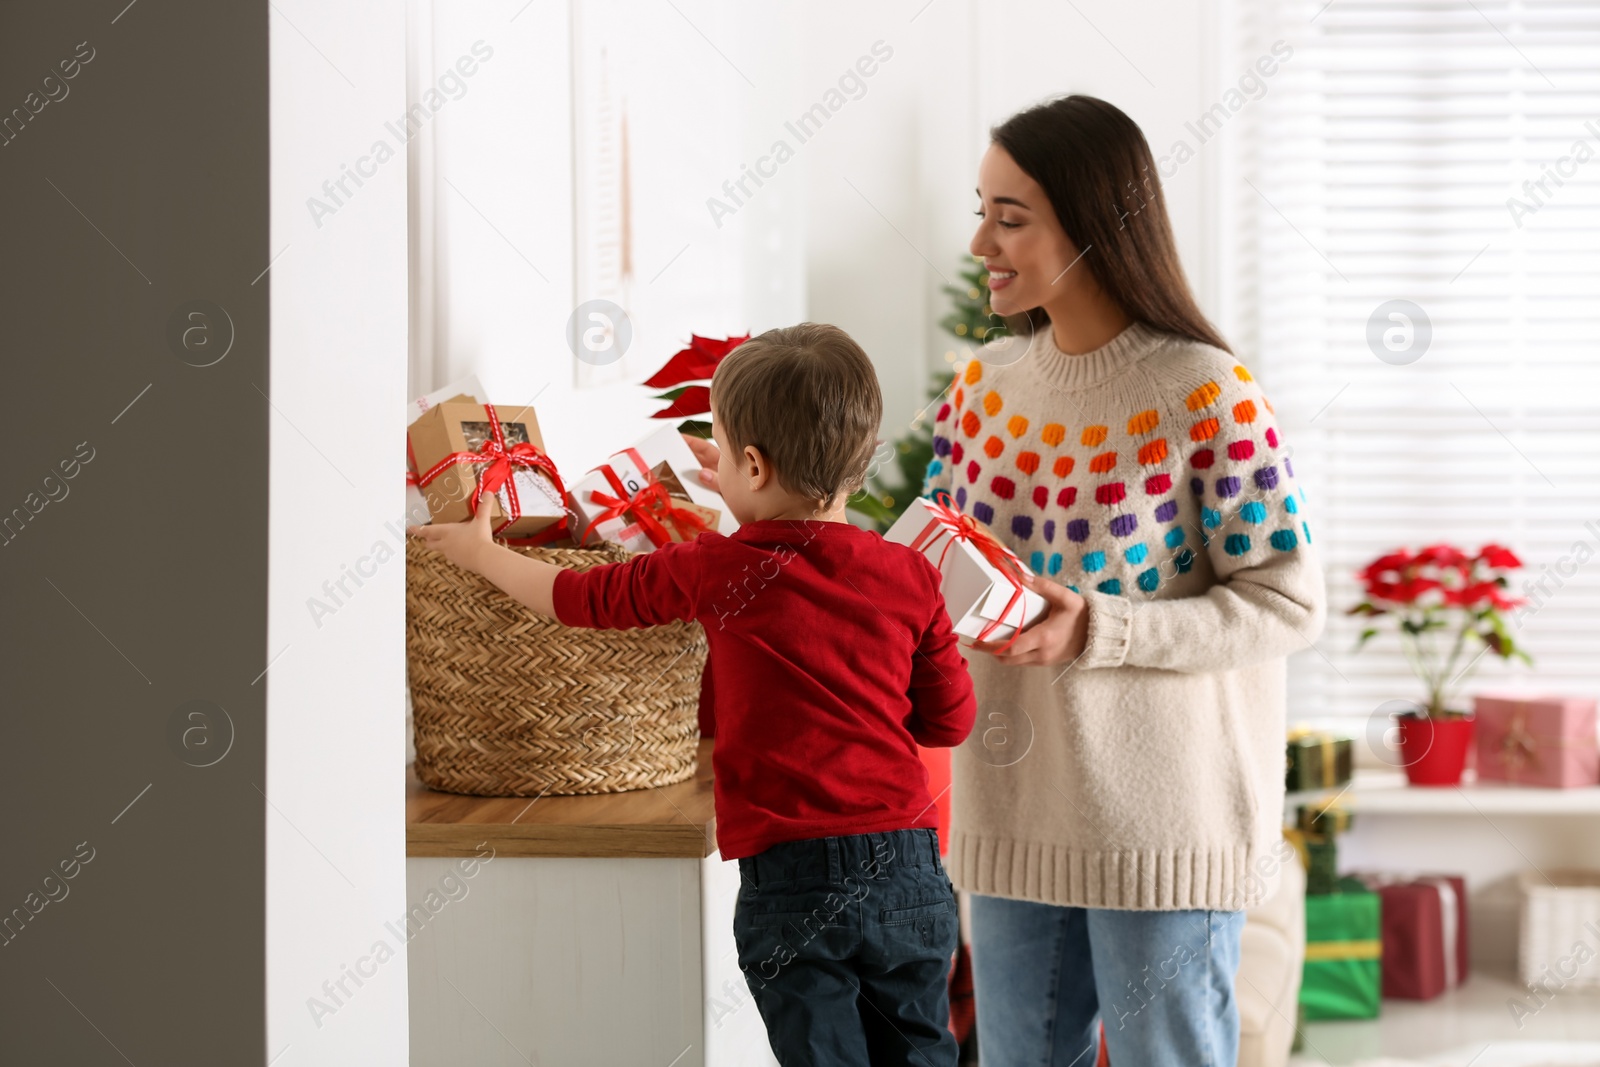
<point>1119,803</point>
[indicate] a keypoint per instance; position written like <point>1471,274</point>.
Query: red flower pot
<point>1434,751</point>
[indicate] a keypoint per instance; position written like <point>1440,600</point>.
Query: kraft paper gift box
<point>465,389</point>
<point>984,601</point>
<point>1343,975</point>
<point>452,444</point>
<point>664,458</point>
<point>1425,945</point>
<point>1538,740</point>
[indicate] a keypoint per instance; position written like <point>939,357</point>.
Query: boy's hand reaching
<point>463,543</point>
<point>707,455</point>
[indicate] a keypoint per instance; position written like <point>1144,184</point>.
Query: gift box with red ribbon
<point>461,451</point>
<point>1425,948</point>
<point>645,496</point>
<point>982,582</point>
<point>1538,740</point>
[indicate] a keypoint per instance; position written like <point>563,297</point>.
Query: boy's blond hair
<point>807,397</point>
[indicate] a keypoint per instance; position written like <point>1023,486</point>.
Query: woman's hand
<point>1059,637</point>
<point>463,543</point>
<point>707,455</point>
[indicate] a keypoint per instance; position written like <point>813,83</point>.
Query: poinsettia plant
<point>1442,598</point>
<point>687,379</point>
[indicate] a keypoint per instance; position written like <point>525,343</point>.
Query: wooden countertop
<point>674,821</point>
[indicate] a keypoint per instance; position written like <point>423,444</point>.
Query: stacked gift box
<point>1344,951</point>
<point>463,453</point>
<point>644,496</point>
<point>1374,935</point>
<point>1317,838</point>
<point>1317,759</point>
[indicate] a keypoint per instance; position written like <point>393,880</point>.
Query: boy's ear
<point>755,467</point>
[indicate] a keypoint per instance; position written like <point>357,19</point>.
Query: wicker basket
<point>509,703</point>
<point>1560,912</point>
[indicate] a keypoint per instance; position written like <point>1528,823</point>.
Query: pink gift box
<point>1537,740</point>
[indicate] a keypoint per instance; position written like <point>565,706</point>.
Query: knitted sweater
<point>1148,475</point>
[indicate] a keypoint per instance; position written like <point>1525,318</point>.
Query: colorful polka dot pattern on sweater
<point>1123,501</point>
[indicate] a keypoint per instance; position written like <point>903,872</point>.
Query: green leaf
<point>1366,635</point>
<point>695,428</point>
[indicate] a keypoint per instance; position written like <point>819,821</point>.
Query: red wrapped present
<point>1425,949</point>
<point>1539,740</point>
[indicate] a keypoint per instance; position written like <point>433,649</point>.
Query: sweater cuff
<point>1110,626</point>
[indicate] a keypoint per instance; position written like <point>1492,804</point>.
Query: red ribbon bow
<point>947,522</point>
<point>498,462</point>
<point>650,506</point>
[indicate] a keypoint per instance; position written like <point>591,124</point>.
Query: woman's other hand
<point>706,454</point>
<point>1059,637</point>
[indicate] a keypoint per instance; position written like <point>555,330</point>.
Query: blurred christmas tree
<point>895,477</point>
<point>970,318</point>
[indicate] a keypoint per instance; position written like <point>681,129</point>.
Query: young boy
<point>830,658</point>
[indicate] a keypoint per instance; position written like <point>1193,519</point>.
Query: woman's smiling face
<point>1019,238</point>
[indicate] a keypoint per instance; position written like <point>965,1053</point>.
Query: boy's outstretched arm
<point>471,545</point>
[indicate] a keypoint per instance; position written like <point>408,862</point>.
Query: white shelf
<point>1385,792</point>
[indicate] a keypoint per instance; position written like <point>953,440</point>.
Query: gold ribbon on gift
<point>1320,951</point>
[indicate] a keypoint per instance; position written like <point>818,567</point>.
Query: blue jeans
<point>1162,981</point>
<point>846,945</point>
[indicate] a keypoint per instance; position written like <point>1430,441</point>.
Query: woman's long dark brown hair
<point>1097,170</point>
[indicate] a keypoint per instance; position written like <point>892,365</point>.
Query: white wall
<point>500,185</point>
<point>911,147</point>
<point>335,818</point>
<point>872,258</point>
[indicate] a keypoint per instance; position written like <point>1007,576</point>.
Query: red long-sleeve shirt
<point>830,659</point>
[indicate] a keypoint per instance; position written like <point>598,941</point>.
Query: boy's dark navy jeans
<point>846,945</point>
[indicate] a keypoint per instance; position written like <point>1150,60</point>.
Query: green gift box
<point>1343,977</point>
<point>1322,870</point>
<point>1323,819</point>
<point>1317,760</point>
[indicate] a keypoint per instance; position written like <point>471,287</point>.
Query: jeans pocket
<point>913,912</point>
<point>929,924</point>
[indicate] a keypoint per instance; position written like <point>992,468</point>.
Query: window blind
<point>1444,153</point>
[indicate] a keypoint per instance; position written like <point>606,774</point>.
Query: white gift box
<point>662,454</point>
<point>469,387</point>
<point>976,592</point>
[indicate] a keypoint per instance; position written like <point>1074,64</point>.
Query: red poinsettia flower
<point>1499,557</point>
<point>1506,603</point>
<point>1384,591</point>
<point>1394,562</point>
<point>1411,590</point>
<point>1480,593</point>
<point>693,400</point>
<point>1443,555</point>
<point>695,363</point>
